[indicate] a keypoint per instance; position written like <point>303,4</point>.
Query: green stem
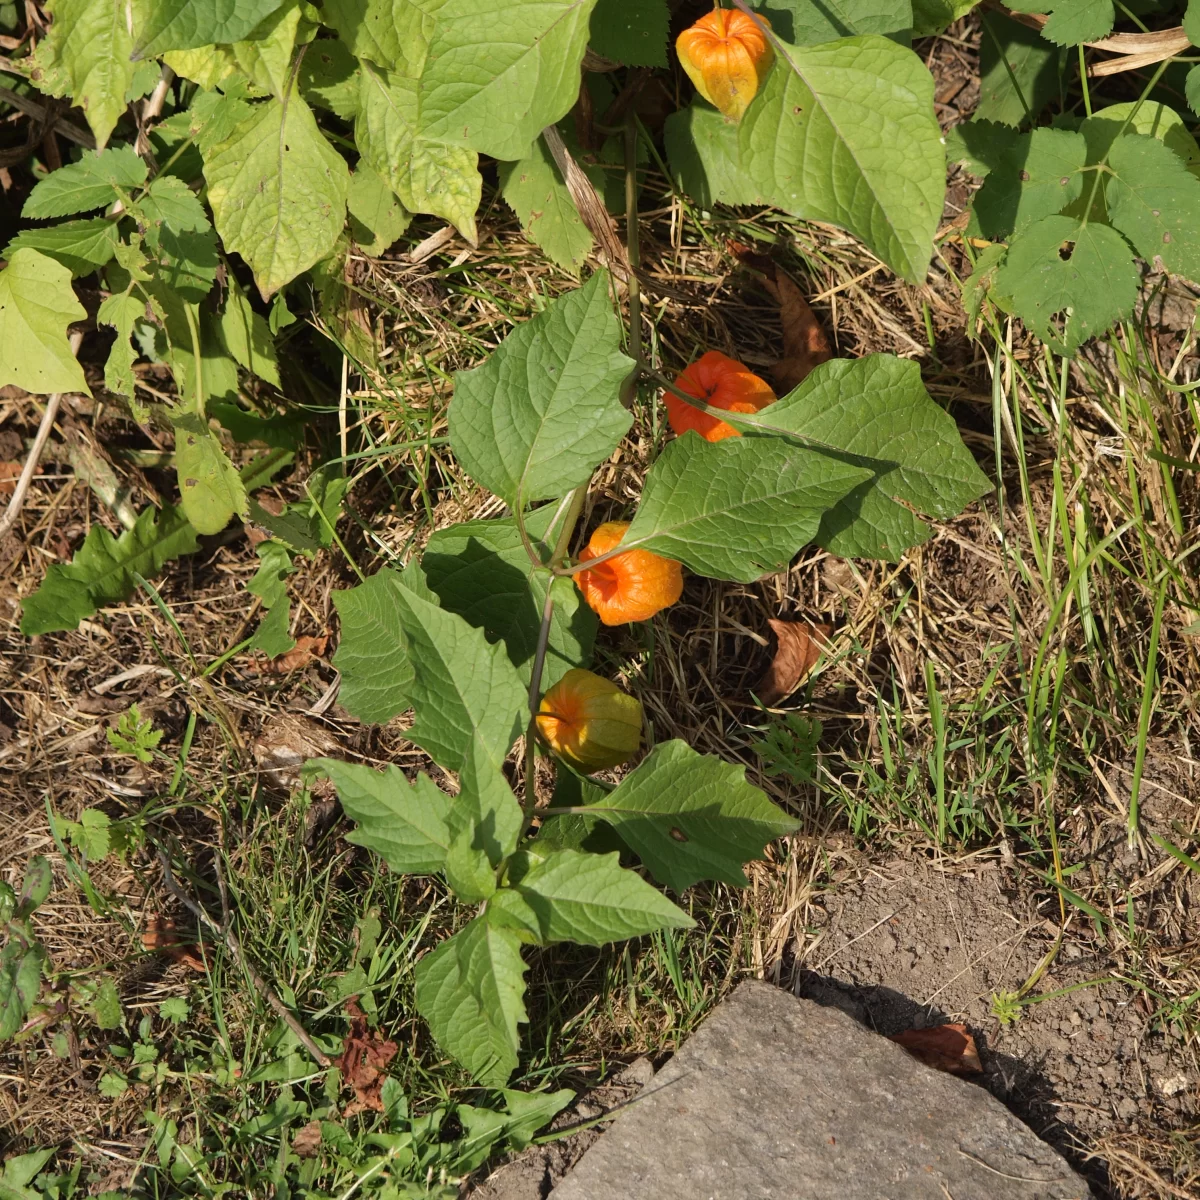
<point>529,802</point>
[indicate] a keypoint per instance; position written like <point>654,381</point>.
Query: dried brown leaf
<point>305,651</point>
<point>798,646</point>
<point>9,472</point>
<point>943,1047</point>
<point>161,937</point>
<point>307,1141</point>
<point>363,1059</point>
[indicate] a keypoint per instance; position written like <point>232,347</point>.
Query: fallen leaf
<point>307,1141</point>
<point>363,1059</point>
<point>798,646</point>
<point>306,650</point>
<point>805,345</point>
<point>161,937</point>
<point>943,1047</point>
<point>9,472</point>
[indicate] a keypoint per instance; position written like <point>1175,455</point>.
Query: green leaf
<point>1192,89</point>
<point>529,1111</point>
<point>537,417</point>
<point>481,571</point>
<point>185,24</point>
<point>174,1009</point>
<point>171,202</point>
<point>845,133</point>
<point>737,509</point>
<point>90,183</point>
<point>329,76</point>
<point>470,992</point>
<point>187,265</point>
<point>633,32</point>
<point>85,55</point>
<point>270,585</point>
<point>17,1171</point>
<point>690,816</point>
<point>1018,71</point>
<point>208,66</point>
<point>497,74</point>
<point>36,306</point>
<point>103,569</point>
<point>982,146</point>
<point>404,822</point>
<point>20,980</point>
<point>587,898</point>
<point>81,246</point>
<point>377,218</point>
<point>466,695</point>
<point>91,835</point>
<point>212,491</point>
<point>486,809</point>
<point>247,336</point>
<point>267,54</point>
<point>106,1005</point>
<point>1154,201</point>
<point>35,886</point>
<point>1039,175</point>
<point>877,410</point>
<point>427,175</point>
<point>1069,281</point>
<point>1153,120</point>
<point>471,877</point>
<point>703,150</point>
<point>372,654</point>
<point>1072,21</point>
<point>812,22</point>
<point>392,33</point>
<point>533,188</point>
<point>277,191</point>
<point>112,1084</point>
<point>934,16</point>
<point>1191,22</point>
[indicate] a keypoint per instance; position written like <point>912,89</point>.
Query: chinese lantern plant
<point>487,637</point>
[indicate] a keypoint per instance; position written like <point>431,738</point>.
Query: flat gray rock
<point>776,1098</point>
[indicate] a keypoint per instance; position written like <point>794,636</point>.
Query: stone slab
<point>776,1098</point>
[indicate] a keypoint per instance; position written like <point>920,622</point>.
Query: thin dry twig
<point>230,938</point>
<point>38,111</point>
<point>13,511</point>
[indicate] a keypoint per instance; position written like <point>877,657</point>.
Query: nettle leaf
<point>703,150</point>
<point>481,571</point>
<point>103,569</point>
<point>211,488</point>
<point>877,410</point>
<point>497,73</point>
<point>812,22</point>
<point>538,416</point>
<point>1072,21</point>
<point>372,654</point>
<point>1151,119</point>
<point>185,24</point>
<point>427,174</point>
<point>1154,201</point>
<point>568,896</point>
<point>466,695</point>
<point>633,32</point>
<point>845,133</point>
<point>170,201</point>
<point>277,191</point>
<point>470,991</point>
<point>405,822</point>
<point>1038,174</point>
<point>737,509</point>
<point>88,184</point>
<point>1069,281</point>
<point>81,246</point>
<point>86,55</point>
<point>36,306</point>
<point>377,218</point>
<point>1018,71</point>
<point>690,817</point>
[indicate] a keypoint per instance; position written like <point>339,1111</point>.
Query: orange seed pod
<point>590,722</point>
<point>631,586</point>
<point>722,382</point>
<point>727,56</point>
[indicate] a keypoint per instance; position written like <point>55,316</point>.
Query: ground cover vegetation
<point>463,612</point>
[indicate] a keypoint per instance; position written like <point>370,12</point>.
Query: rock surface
<point>776,1098</point>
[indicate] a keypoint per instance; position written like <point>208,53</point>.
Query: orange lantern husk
<point>727,56</point>
<point>588,721</point>
<point>722,382</point>
<point>631,586</point>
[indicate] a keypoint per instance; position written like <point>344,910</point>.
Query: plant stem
<point>632,239</point>
<point>535,695</point>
